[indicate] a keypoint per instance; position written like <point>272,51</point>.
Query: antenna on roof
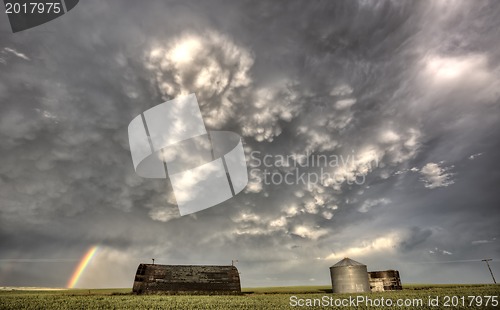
<point>153,260</point>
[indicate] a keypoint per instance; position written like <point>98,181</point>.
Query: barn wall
<point>390,279</point>
<point>174,279</point>
<point>377,285</point>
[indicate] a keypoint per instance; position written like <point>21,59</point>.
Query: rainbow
<point>84,262</point>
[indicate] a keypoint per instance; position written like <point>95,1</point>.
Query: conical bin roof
<point>347,262</point>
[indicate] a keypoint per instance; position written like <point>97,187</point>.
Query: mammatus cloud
<point>435,176</point>
<point>268,107</point>
<point>208,64</point>
<point>217,69</point>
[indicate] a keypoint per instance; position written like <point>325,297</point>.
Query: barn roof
<point>347,262</point>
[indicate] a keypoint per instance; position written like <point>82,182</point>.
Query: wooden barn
<point>387,280</point>
<point>186,279</point>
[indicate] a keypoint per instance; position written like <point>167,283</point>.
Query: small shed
<point>387,280</point>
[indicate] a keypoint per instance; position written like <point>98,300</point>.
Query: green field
<point>254,298</point>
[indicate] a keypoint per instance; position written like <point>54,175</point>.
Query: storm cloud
<point>389,110</point>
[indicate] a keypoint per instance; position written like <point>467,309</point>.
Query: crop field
<point>311,297</point>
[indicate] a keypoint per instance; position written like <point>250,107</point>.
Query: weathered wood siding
<point>390,280</point>
<point>175,279</point>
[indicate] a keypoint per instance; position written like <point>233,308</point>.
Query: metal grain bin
<point>349,276</point>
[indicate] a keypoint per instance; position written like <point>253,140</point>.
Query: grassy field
<point>257,298</point>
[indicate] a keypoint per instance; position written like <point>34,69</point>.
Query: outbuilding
<point>186,279</point>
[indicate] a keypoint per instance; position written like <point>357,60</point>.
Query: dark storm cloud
<point>417,237</point>
<point>410,89</point>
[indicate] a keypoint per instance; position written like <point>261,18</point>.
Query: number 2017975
<point>33,8</point>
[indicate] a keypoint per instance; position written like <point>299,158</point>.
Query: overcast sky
<point>408,90</point>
